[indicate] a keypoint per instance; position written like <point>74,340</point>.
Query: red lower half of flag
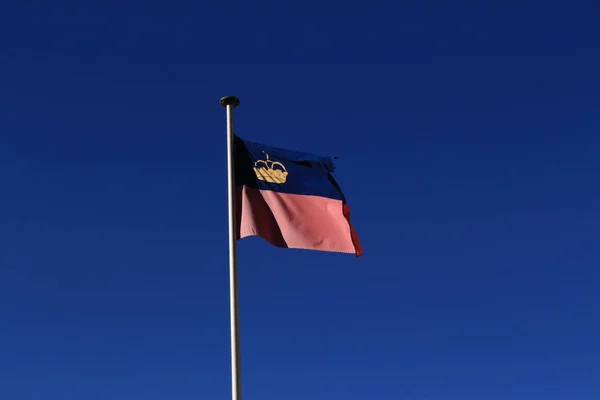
<point>296,221</point>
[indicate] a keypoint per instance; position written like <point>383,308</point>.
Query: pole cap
<point>229,101</point>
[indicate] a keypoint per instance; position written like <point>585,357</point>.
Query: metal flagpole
<point>230,102</point>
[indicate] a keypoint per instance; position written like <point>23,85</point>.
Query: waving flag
<point>291,200</point>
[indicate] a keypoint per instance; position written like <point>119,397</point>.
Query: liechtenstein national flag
<point>291,200</point>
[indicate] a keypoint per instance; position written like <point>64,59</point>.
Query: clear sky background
<point>467,137</point>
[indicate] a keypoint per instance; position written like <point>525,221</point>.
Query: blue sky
<point>467,137</point>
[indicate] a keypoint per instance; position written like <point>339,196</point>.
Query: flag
<point>291,200</point>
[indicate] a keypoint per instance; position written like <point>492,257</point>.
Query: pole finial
<point>229,101</point>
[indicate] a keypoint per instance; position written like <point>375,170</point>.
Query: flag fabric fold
<point>291,199</point>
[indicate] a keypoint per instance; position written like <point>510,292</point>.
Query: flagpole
<point>230,102</point>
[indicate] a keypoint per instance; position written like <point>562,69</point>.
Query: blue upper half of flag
<point>270,168</point>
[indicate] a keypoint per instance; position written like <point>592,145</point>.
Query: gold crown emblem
<point>267,172</point>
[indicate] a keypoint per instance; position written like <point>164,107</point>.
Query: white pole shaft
<point>236,389</point>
